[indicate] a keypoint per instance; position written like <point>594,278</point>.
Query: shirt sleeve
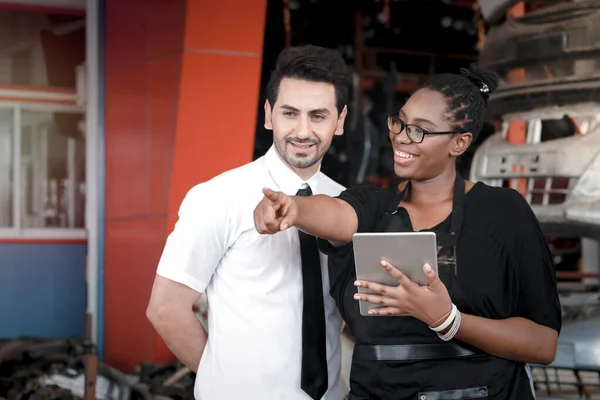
<point>368,203</point>
<point>536,290</point>
<point>199,240</point>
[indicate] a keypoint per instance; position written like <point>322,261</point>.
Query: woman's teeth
<point>403,155</point>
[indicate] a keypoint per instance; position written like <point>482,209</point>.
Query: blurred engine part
<point>55,370</point>
<point>494,10</point>
<point>548,57</point>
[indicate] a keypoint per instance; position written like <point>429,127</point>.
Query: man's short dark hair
<point>313,64</point>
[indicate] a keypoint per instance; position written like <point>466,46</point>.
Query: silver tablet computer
<point>407,251</point>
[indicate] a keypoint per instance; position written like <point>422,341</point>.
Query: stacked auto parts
<point>68,370</point>
<point>549,62</point>
<point>556,51</point>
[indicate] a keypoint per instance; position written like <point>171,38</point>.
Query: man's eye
<point>318,117</point>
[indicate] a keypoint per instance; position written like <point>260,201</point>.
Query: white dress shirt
<point>253,285</point>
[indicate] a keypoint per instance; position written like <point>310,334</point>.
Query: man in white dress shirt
<point>266,339</point>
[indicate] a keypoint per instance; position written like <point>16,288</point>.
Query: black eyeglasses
<point>415,133</point>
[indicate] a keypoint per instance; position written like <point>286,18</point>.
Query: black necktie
<point>314,355</point>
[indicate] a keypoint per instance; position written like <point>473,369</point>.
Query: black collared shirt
<point>505,269</point>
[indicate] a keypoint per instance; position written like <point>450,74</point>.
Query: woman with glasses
<point>492,310</point>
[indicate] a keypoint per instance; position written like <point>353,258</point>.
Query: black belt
<point>410,352</point>
<point>355,397</point>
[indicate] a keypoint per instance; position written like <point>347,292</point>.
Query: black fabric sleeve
<point>529,254</point>
<point>368,202</point>
<point>340,266</point>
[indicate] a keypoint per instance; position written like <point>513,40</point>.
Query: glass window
<point>6,168</point>
<point>52,170</point>
<point>40,49</point>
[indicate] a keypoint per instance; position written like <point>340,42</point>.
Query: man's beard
<point>300,161</point>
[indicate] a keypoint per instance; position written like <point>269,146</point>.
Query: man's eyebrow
<point>288,107</point>
<point>315,111</point>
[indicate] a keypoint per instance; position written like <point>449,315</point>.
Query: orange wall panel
<point>182,87</point>
<point>132,248</point>
<point>125,31</point>
<point>165,20</point>
<point>163,99</point>
<point>127,162</point>
<point>141,94</point>
<point>226,25</point>
<point>216,121</point>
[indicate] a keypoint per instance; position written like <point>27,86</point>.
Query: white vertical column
<point>590,251</point>
<point>71,182</point>
<point>92,161</point>
<point>6,168</point>
<point>17,176</point>
<point>44,182</point>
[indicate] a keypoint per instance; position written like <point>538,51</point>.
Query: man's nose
<point>304,130</point>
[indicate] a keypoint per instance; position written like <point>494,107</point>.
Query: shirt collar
<point>288,181</point>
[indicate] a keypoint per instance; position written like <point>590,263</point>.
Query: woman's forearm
<point>326,217</point>
<point>516,339</point>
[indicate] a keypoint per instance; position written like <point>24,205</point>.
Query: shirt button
<point>483,392</point>
<point>422,397</point>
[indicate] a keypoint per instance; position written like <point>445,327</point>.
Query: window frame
<point>17,231</point>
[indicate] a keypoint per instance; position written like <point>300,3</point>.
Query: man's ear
<point>339,129</point>
<point>461,143</point>
<point>268,112</point>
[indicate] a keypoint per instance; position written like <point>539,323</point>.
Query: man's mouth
<point>302,145</point>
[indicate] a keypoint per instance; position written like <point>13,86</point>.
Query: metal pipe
<point>179,374</point>
<point>287,23</point>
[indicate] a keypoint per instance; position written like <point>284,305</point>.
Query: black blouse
<point>505,270</point>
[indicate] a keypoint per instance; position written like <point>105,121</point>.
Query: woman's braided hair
<point>466,94</point>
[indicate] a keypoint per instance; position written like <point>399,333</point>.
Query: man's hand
<point>276,212</point>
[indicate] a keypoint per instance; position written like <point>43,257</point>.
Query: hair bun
<point>485,80</point>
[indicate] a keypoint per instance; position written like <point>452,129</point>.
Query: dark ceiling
<point>430,26</point>
<point>423,25</point>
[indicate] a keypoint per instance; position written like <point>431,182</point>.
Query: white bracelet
<point>453,330</point>
<point>448,320</point>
